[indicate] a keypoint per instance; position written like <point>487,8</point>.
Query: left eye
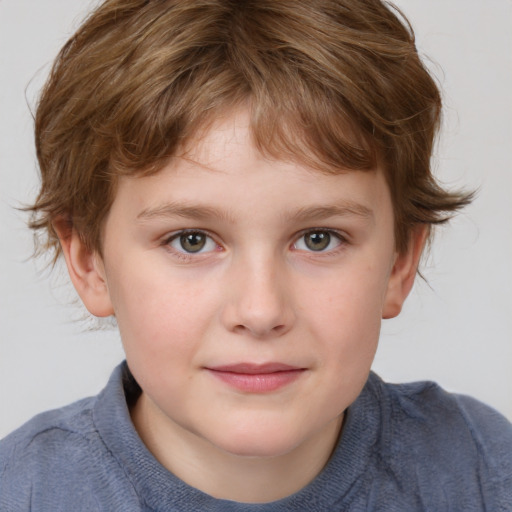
<point>192,242</point>
<point>318,241</point>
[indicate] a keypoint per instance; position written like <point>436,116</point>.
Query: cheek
<point>350,302</point>
<point>160,317</point>
<point>344,319</point>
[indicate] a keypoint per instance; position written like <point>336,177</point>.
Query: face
<point>249,292</point>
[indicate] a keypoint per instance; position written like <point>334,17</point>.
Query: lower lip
<point>259,382</point>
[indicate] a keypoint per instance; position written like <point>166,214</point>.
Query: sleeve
<point>14,479</point>
<point>492,434</point>
<point>45,470</point>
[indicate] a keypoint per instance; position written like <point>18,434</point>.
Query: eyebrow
<point>344,209</point>
<point>311,213</point>
<point>185,211</point>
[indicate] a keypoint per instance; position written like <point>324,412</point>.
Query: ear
<point>86,270</point>
<point>403,273</point>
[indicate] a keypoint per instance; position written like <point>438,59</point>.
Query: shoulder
<point>45,452</point>
<point>435,409</point>
<point>72,421</point>
<point>60,461</point>
<point>450,439</point>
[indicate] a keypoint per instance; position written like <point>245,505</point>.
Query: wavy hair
<point>334,84</point>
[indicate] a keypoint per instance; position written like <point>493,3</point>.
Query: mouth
<point>256,378</point>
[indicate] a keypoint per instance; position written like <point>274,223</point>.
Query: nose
<point>259,299</point>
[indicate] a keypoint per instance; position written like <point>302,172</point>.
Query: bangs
<point>293,117</point>
<point>333,85</point>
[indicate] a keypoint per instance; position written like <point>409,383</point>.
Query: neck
<point>225,475</point>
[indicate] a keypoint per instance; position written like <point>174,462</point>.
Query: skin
<point>255,293</point>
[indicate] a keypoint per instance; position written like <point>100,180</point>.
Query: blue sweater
<point>406,448</point>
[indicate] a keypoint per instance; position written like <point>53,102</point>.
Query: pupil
<point>318,241</point>
<point>192,242</point>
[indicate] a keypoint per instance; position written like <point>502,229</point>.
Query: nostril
<point>260,332</point>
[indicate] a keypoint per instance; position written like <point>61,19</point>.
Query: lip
<point>256,378</point>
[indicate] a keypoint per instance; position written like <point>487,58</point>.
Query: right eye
<point>192,242</point>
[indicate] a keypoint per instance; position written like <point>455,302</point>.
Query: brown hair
<point>335,84</point>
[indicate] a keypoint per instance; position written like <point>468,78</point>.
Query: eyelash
<point>188,256</point>
<point>341,239</point>
<point>184,255</point>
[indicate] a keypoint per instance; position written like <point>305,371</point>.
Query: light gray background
<point>458,331</point>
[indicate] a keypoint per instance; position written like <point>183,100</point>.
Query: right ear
<point>85,268</point>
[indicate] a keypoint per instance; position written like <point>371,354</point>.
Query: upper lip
<point>254,369</point>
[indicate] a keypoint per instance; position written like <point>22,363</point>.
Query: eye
<point>192,242</point>
<point>320,240</point>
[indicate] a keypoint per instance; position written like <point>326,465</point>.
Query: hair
<point>335,84</point>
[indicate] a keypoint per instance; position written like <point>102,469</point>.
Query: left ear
<point>403,273</point>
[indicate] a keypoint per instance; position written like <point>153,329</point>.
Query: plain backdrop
<point>456,330</point>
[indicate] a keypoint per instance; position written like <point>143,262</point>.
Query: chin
<point>260,450</point>
<point>261,443</point>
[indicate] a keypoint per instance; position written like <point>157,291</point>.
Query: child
<point>246,187</point>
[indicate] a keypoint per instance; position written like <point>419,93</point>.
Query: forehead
<point>222,171</point>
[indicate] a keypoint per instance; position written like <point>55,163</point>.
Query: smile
<point>252,378</point>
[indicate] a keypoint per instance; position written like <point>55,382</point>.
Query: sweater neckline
<point>159,489</point>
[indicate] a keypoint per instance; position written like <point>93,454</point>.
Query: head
<point>337,85</point>
<point>263,127</point>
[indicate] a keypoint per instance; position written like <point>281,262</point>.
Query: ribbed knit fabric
<point>410,447</point>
